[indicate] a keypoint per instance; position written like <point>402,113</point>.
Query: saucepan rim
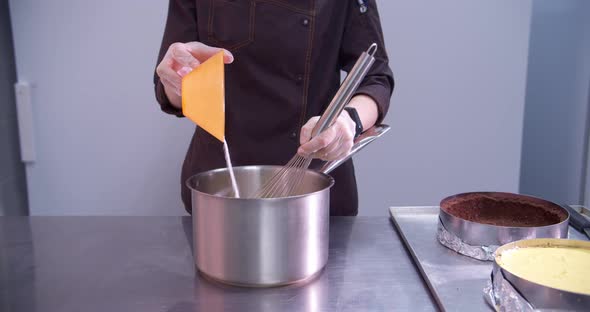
<point>329,178</point>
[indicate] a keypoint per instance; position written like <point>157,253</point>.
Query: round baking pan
<point>496,218</point>
<point>537,295</point>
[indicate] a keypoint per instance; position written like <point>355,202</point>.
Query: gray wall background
<point>457,110</point>
<point>13,196</point>
<point>556,110</point>
<point>103,147</point>
<point>586,195</point>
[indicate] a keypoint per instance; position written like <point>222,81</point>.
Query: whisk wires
<point>287,181</point>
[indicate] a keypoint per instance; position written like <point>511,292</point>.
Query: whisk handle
<point>347,89</point>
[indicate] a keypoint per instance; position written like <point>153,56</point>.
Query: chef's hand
<point>334,143</point>
<point>181,59</point>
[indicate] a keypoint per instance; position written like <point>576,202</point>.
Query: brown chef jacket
<point>288,57</point>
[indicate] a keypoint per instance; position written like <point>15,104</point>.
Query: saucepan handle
<point>359,143</point>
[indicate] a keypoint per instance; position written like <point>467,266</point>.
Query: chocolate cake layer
<point>504,209</point>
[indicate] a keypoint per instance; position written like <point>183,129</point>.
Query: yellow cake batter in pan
<point>564,268</point>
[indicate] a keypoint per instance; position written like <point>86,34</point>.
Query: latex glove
<point>181,59</point>
<point>334,143</point>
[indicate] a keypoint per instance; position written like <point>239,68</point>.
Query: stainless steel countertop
<point>145,264</point>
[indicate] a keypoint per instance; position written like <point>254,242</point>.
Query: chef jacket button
<point>293,135</point>
<point>299,79</point>
<point>305,22</point>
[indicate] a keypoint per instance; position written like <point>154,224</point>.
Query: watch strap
<point>357,120</point>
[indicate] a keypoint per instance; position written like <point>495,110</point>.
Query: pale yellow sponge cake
<point>564,268</point>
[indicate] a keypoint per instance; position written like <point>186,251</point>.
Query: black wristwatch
<point>357,120</point>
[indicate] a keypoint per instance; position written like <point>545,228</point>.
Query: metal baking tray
<point>455,281</point>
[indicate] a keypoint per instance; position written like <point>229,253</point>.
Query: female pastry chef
<point>285,58</point>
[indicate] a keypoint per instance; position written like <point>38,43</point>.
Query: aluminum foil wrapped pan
<point>453,242</point>
<point>502,296</point>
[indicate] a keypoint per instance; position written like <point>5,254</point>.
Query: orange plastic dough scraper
<point>203,102</point>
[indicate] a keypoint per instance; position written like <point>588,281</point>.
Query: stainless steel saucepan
<point>262,242</point>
